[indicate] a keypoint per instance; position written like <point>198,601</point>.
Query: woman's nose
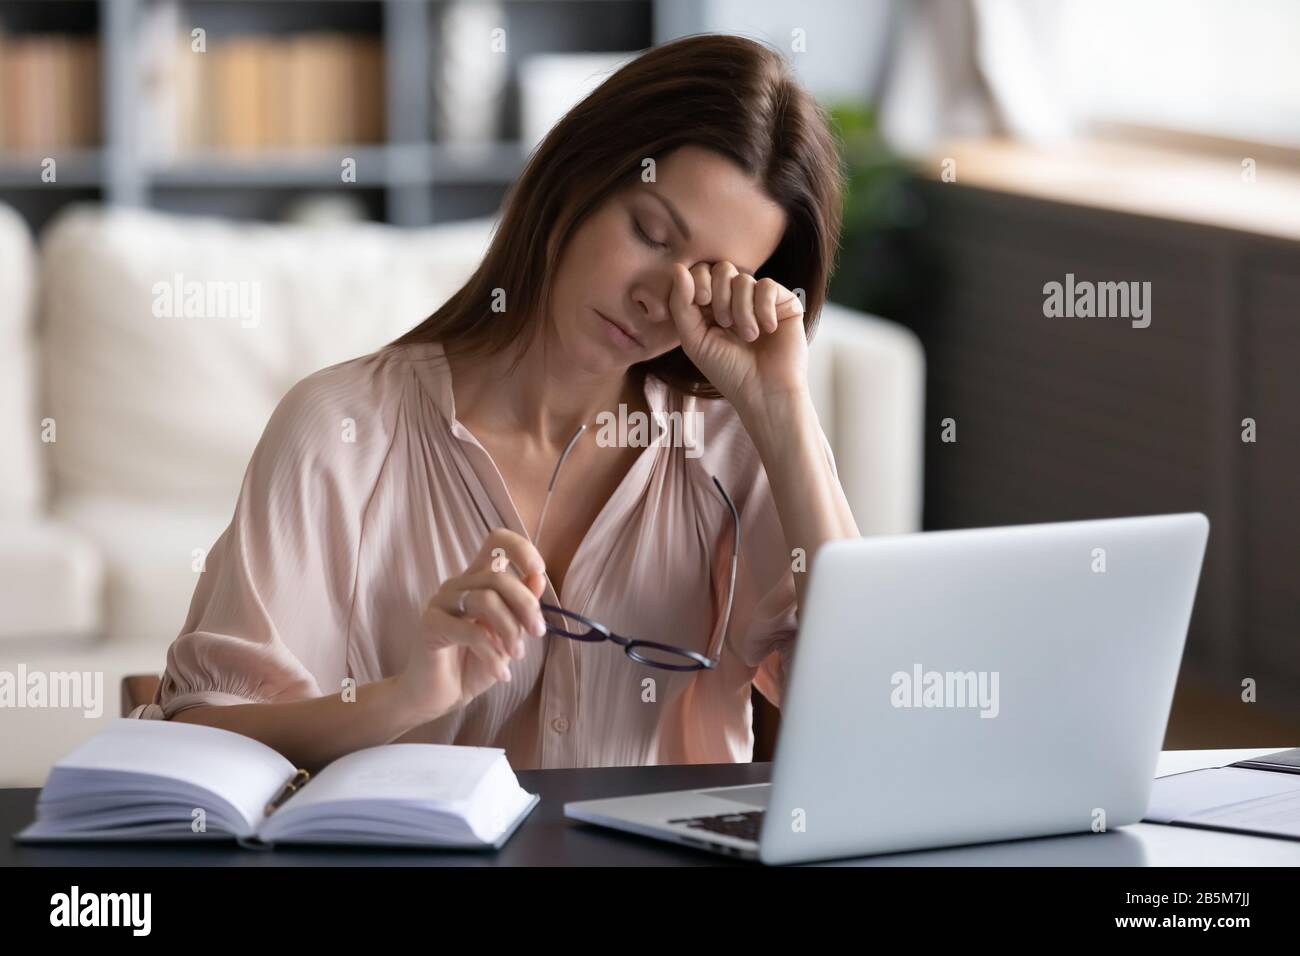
<point>653,305</point>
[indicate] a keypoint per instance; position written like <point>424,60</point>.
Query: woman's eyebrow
<point>678,221</point>
<point>681,225</point>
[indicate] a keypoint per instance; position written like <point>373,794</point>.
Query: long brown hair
<point>725,93</point>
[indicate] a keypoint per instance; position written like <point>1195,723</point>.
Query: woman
<point>383,579</point>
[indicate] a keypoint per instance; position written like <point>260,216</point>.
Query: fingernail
<point>539,626</point>
<point>751,334</point>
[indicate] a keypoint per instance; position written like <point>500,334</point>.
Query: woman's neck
<point>539,402</point>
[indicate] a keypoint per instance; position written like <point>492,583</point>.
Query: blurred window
<point>1209,67</point>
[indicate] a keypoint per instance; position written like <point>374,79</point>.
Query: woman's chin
<point>595,359</point>
<point>605,354</point>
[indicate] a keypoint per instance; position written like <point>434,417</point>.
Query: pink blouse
<point>365,492</point>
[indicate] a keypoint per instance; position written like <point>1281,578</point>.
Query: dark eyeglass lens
<point>648,654</point>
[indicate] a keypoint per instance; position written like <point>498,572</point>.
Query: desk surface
<point>547,838</point>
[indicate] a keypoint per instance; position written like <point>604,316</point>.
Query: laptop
<point>959,687</point>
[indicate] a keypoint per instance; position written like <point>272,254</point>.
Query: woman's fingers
<point>488,610</point>
<point>720,279</point>
<point>471,627</point>
<point>791,308</point>
<point>749,307</point>
<point>703,277</point>
<point>520,608</point>
<point>503,547</point>
<point>765,292</point>
<point>742,308</point>
<point>515,611</point>
<point>487,606</point>
<point>682,307</point>
<point>451,629</point>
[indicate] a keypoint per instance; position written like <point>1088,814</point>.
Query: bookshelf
<point>407,174</point>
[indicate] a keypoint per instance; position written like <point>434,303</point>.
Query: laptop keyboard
<point>743,826</point>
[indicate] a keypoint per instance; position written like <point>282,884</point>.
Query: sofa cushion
<point>51,581</point>
<point>150,554</point>
<point>170,339</point>
<point>35,737</point>
<point>867,377</point>
<point>21,468</point>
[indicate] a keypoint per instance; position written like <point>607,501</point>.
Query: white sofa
<point>153,418</point>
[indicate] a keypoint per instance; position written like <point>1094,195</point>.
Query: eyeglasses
<point>665,656</point>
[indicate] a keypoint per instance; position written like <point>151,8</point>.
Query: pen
<point>295,783</point>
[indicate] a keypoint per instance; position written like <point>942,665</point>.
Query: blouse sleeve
<point>269,618</point>
<point>767,602</point>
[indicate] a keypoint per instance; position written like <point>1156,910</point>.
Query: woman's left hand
<point>745,334</point>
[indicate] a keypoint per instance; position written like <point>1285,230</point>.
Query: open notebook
<point>166,780</point>
<point>1259,796</point>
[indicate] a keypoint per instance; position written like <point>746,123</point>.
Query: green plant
<point>871,274</point>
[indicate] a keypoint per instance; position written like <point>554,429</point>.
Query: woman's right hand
<point>458,656</point>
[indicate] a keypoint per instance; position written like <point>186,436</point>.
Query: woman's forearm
<point>311,733</point>
<point>808,497</point>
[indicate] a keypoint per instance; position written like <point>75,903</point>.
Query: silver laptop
<point>960,687</point>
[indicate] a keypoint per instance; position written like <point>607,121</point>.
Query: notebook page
<point>425,773</point>
<point>239,769</point>
<point>1279,813</point>
<point>1186,795</point>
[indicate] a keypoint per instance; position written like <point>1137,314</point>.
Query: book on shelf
<point>305,91</point>
<point>49,93</point>
<point>150,780</point>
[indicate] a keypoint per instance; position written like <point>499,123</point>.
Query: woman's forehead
<point>725,211</point>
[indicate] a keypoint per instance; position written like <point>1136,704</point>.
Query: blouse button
<point>560,724</point>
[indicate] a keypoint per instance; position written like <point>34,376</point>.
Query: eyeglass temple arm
<point>541,518</point>
<point>735,558</point>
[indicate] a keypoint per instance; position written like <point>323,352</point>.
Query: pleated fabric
<point>365,492</point>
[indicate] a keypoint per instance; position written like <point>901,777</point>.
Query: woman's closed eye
<point>645,236</point>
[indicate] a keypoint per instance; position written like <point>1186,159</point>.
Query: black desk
<point>546,838</point>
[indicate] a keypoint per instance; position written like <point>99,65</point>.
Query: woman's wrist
<point>776,419</point>
<point>402,706</point>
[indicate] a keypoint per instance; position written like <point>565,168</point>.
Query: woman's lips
<point>617,335</point>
